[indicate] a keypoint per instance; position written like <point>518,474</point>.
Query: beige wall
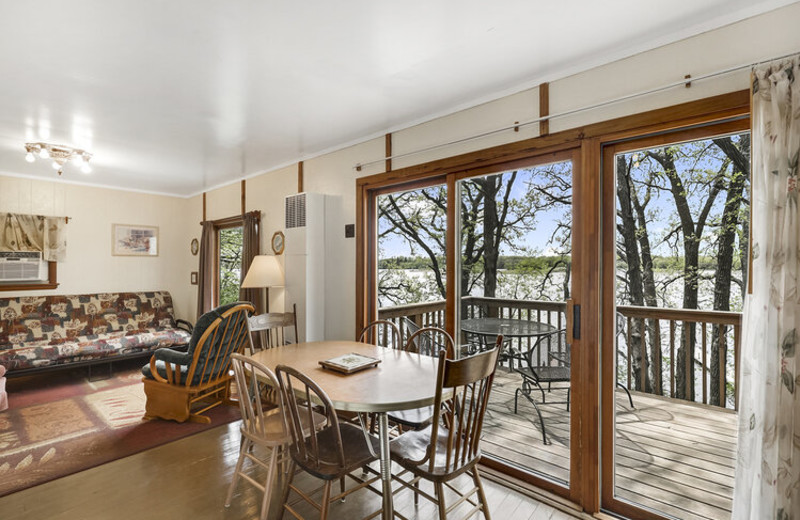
<point>91,268</point>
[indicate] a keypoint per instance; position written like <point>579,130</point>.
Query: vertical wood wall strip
<point>204,206</point>
<point>300,179</point>
<point>544,108</point>
<point>244,196</point>
<point>388,140</point>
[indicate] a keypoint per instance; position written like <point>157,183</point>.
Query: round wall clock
<point>195,246</point>
<point>277,242</point>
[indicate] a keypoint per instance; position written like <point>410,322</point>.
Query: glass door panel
<point>681,234</point>
<point>230,264</point>
<point>411,258</point>
<point>515,279</point>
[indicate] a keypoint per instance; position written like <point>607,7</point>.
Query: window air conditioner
<point>22,266</point>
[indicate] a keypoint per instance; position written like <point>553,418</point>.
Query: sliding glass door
<point>613,260</point>
<point>515,277</point>
<point>488,253</point>
<point>674,291</point>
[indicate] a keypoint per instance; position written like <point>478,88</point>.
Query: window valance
<point>34,233</point>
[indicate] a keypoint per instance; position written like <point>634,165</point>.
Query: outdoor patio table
<point>382,389</point>
<point>509,328</point>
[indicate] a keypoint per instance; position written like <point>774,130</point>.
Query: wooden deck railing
<point>432,314</point>
<point>698,332</point>
<point>655,372</point>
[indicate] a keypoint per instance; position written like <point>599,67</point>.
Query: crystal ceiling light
<point>60,154</point>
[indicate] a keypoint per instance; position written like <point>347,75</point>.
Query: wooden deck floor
<point>674,457</point>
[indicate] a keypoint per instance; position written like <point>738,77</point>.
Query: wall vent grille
<point>296,211</point>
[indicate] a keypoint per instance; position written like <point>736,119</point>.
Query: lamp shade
<point>265,271</point>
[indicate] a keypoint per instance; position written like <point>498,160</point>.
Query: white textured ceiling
<point>177,96</point>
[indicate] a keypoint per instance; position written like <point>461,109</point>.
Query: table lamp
<point>265,272</point>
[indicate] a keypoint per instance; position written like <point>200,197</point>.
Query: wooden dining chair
<point>382,333</point>
<point>330,453</point>
<point>450,445</point>
<point>269,329</point>
<point>427,341</point>
<point>263,424</point>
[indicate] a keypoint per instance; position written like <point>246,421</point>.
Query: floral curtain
<point>34,233</point>
<point>768,463</point>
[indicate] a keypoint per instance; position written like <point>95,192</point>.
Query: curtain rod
<point>686,81</point>
<point>227,220</point>
<point>66,219</point>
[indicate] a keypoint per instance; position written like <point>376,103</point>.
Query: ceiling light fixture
<point>60,154</point>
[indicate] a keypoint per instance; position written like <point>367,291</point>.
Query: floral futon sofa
<point>41,332</point>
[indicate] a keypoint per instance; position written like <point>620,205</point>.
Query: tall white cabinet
<point>305,263</point>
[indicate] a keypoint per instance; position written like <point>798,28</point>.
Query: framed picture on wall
<point>128,240</point>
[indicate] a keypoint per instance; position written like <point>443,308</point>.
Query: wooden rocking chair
<point>182,386</point>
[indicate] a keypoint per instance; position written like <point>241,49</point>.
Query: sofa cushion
<point>43,353</point>
<point>38,331</point>
<point>63,318</point>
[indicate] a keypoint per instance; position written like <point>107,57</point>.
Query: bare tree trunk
<point>491,253</point>
<point>724,268</point>
<point>627,230</point>
<point>471,201</point>
<point>649,290</point>
<point>691,231</point>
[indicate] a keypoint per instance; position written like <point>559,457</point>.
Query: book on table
<point>349,363</point>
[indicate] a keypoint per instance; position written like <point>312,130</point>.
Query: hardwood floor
<point>189,479</point>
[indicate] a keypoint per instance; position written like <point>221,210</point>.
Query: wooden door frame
<point>219,225</point>
<point>585,479</point>
<point>608,354</point>
<point>560,153</point>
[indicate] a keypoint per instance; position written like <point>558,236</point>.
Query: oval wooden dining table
<point>401,381</point>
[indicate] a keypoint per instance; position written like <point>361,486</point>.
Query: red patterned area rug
<point>60,423</point>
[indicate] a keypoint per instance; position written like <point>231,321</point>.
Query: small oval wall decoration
<point>277,242</point>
